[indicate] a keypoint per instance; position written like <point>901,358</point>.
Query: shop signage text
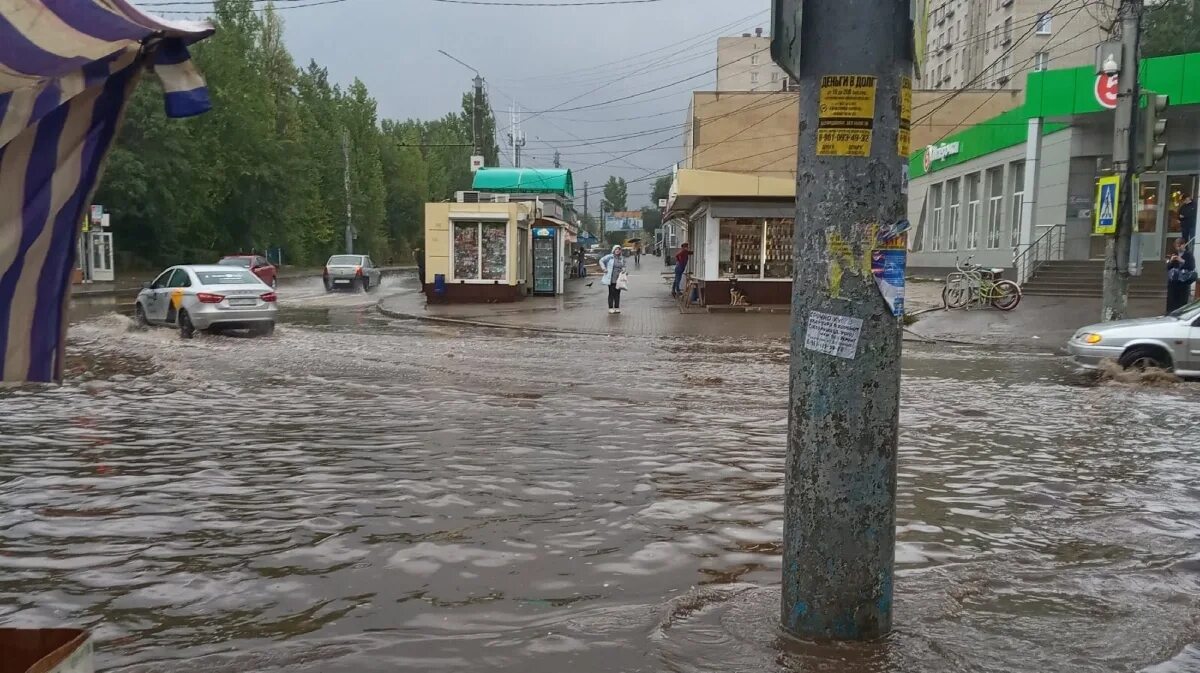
<point>939,153</point>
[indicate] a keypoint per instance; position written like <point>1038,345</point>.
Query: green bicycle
<point>972,284</point>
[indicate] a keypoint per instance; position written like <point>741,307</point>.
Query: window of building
<point>480,251</point>
<point>1005,64</point>
<point>935,197</point>
<point>1044,23</point>
<point>774,76</point>
<point>1018,201</point>
<point>995,185</point>
<point>754,77</point>
<point>755,248</point>
<point>996,37</point>
<point>1008,30</point>
<point>953,198</point>
<point>754,59</point>
<point>1041,61</point>
<point>972,211</point>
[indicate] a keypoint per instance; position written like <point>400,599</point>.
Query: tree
<point>616,192</point>
<point>662,189</point>
<point>1171,27</point>
<point>651,218</point>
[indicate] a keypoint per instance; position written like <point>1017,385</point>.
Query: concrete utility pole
<point>853,65</point>
<point>1118,249</point>
<point>516,138</point>
<point>585,198</point>
<point>557,159</point>
<point>346,165</point>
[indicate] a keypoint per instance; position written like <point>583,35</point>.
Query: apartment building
<point>744,64</point>
<point>991,44</point>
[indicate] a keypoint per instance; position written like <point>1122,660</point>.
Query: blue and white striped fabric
<point>67,70</point>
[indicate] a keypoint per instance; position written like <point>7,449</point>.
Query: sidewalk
<point>647,309</point>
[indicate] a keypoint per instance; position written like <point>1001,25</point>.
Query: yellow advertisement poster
<point>904,140</point>
<point>846,115</point>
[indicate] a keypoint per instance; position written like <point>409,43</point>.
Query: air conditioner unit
<point>466,197</point>
<point>495,198</point>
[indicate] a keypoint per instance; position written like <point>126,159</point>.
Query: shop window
<point>755,248</point>
<point>935,198</point>
<point>953,199</point>
<point>741,247</point>
<point>995,184</point>
<point>1148,203</point>
<point>1018,201</point>
<point>780,234</point>
<point>480,251</point>
<point>972,211</point>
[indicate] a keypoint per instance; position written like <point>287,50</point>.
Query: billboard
<point>623,221</point>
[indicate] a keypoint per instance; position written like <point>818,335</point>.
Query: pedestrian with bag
<point>613,266</point>
<point>1181,273</point>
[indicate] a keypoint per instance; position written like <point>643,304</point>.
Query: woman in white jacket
<point>613,265</point>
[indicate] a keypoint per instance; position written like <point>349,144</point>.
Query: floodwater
<point>361,494</point>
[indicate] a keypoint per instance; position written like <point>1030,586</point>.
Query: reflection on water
<point>360,495</point>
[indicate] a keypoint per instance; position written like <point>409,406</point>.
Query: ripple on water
<point>374,496</point>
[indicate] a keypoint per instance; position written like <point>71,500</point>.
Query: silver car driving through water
<point>207,297</point>
<point>1170,342</point>
<point>351,271</point>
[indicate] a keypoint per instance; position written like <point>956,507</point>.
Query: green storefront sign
<point>1058,94</point>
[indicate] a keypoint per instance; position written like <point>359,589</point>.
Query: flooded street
<point>363,494</point>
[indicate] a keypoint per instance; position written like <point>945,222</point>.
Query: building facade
<point>990,44</point>
<point>1024,182</point>
<point>744,64</point>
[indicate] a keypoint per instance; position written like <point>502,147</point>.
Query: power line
<point>255,9</point>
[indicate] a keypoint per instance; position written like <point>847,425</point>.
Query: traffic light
<point>1154,128</point>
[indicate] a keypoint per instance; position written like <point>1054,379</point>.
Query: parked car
<point>207,297</point>
<point>257,264</point>
<point>349,271</point>
<point>1170,342</point>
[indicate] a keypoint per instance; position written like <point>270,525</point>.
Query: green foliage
<point>265,167</point>
<point>662,188</point>
<point>651,218</point>
<point>616,192</point>
<point>615,238</point>
<point>1171,27</point>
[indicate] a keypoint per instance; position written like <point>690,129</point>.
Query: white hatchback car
<point>208,297</point>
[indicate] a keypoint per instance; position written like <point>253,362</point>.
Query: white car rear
<point>208,297</point>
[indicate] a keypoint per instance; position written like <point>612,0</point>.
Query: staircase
<point>1086,279</point>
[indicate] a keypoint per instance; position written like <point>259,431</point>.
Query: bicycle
<point>973,284</point>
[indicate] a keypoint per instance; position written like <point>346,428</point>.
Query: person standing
<point>1181,273</point>
<point>613,265</point>
<point>681,263</point>
<point>637,255</point>
<point>581,260</point>
<point>1187,218</point>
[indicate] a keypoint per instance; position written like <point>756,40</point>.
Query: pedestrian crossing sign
<point>1107,200</point>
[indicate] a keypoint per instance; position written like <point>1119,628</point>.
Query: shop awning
<point>692,186</point>
<point>67,69</point>
<point>525,181</point>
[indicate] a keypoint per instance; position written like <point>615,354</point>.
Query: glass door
<point>1178,186</point>
<point>102,256</point>
<point>1148,225</point>
<point>545,279</point>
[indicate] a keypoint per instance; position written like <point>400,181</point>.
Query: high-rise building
<point>744,64</point>
<point>991,44</point>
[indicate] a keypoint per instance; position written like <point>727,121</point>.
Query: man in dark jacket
<point>1187,218</point>
<point>1181,273</point>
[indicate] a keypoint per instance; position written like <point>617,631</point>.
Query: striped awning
<point>67,70</point>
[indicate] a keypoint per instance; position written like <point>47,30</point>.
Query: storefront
<point>476,252</point>
<point>1023,184</point>
<point>740,228</point>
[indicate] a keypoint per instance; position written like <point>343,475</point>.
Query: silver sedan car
<point>1170,342</point>
<point>351,271</point>
<point>207,297</point>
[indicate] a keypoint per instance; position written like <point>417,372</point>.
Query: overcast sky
<point>543,57</point>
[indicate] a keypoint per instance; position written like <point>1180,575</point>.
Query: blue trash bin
<point>439,284</point>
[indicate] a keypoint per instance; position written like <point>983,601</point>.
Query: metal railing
<point>1048,247</point>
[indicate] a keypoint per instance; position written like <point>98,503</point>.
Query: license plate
<point>242,302</point>
<point>341,281</point>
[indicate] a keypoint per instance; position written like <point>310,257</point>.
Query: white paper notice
<point>833,334</point>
